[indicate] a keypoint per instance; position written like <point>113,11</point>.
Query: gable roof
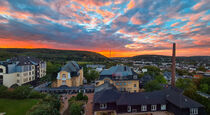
<point>171,95</point>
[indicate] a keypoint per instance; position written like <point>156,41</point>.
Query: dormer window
<point>103,106</point>
<point>163,107</point>
<point>143,108</point>
<point>129,108</point>
<point>153,107</point>
<point>193,111</point>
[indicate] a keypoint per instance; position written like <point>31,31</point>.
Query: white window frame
<point>103,106</point>
<point>153,107</point>
<point>129,108</point>
<point>193,111</point>
<point>163,107</point>
<point>144,108</point>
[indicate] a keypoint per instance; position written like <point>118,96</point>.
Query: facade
<point>21,70</point>
<point>122,77</point>
<point>170,101</point>
<point>70,75</point>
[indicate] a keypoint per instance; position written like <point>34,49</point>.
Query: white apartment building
<point>21,70</point>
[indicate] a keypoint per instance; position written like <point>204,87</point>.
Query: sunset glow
<point>126,27</point>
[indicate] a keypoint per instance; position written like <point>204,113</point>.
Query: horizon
<point>126,27</point>
<point>105,55</point>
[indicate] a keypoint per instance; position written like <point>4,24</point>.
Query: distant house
<point>21,70</point>
<point>70,75</point>
<point>122,77</point>
<point>109,101</point>
<point>167,76</point>
<point>144,70</point>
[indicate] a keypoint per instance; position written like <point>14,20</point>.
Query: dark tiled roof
<point>156,97</point>
<point>181,101</point>
<point>71,66</point>
<point>25,60</point>
<point>120,71</point>
<point>171,95</point>
<point>106,96</point>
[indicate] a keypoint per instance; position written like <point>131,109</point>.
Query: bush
<point>3,91</point>
<point>21,92</point>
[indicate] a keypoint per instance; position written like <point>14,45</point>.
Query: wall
<point>128,85</point>
<point>9,79</point>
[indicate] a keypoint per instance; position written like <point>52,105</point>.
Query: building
<point>21,70</point>
<point>109,101</point>
<point>122,77</point>
<point>70,75</point>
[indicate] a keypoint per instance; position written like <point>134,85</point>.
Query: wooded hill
<point>52,54</point>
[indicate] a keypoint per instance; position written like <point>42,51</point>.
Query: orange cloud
<point>131,4</point>
<point>136,20</point>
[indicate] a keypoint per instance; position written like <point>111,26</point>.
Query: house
<point>122,77</point>
<point>21,70</point>
<point>170,101</point>
<point>70,75</point>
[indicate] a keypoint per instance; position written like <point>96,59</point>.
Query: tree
<point>90,74</point>
<point>79,96</point>
<point>185,84</point>
<point>161,79</point>
<point>204,88</point>
<point>75,109</point>
<point>152,86</point>
<point>201,68</point>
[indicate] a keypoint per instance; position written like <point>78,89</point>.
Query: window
<point>64,76</point>
<point>193,111</point>
<point>135,77</point>
<point>63,82</point>
<point>129,108</point>
<point>18,81</point>
<point>153,107</point>
<point>1,77</point>
<point>163,107</point>
<point>103,106</point>
<point>134,110</point>
<point>143,108</point>
<point>1,70</point>
<point>134,85</point>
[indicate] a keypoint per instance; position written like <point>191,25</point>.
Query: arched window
<point>1,70</point>
<point>64,76</point>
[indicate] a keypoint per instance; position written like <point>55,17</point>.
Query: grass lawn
<point>16,107</point>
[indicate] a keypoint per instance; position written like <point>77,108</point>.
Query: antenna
<point>110,53</point>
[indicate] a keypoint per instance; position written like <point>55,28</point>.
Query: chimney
<point>173,65</point>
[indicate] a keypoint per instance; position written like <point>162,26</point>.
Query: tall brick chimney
<point>173,65</point>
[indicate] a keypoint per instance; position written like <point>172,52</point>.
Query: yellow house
<point>70,75</point>
<point>122,77</point>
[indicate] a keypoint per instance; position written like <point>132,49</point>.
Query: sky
<point>124,27</point>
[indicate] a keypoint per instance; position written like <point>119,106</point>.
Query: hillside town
<point>133,88</point>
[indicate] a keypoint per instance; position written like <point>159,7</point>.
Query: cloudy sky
<point>126,27</point>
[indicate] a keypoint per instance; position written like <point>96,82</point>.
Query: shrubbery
<point>76,104</point>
